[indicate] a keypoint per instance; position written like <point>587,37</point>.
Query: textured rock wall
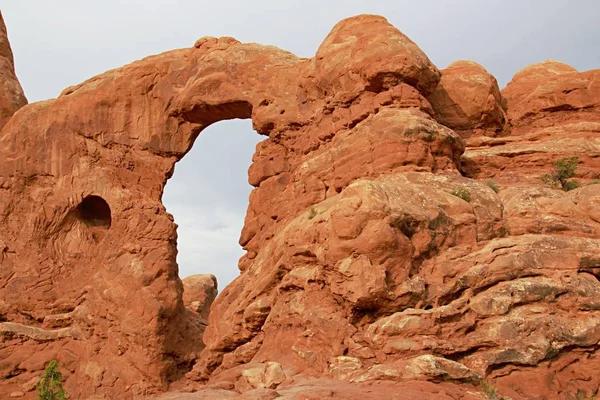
<point>11,93</point>
<point>377,253</point>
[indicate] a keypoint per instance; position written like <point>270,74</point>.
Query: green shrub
<point>312,212</point>
<point>570,185</point>
<point>564,169</point>
<point>450,139</point>
<point>50,387</point>
<point>492,185</point>
<point>462,193</point>
<point>491,392</point>
<point>594,182</point>
<point>583,395</point>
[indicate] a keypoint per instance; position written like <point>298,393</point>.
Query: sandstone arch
<point>360,260</point>
<point>128,127</point>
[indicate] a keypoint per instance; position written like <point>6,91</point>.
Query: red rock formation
<point>374,269</point>
<point>551,92</point>
<point>199,291</point>
<point>468,100</point>
<point>11,93</point>
<point>553,112</point>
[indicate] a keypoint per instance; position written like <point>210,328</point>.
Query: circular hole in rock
<point>94,211</point>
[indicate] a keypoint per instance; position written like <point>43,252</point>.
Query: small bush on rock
<point>564,169</point>
<point>583,395</point>
<point>491,392</point>
<point>50,386</point>
<point>493,186</point>
<point>462,193</point>
<point>570,185</point>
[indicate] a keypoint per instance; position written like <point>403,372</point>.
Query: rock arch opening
<point>94,211</point>
<point>208,197</point>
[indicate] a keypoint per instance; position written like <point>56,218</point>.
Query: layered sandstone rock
<point>468,100</point>
<point>553,112</point>
<point>549,92</point>
<point>199,291</point>
<point>11,93</point>
<point>374,266</point>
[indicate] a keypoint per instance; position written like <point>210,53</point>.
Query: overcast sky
<point>63,42</point>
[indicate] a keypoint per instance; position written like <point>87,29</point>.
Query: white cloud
<point>208,196</point>
<point>207,242</point>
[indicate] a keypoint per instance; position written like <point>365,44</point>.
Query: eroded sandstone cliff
<point>381,262</point>
<point>11,93</point>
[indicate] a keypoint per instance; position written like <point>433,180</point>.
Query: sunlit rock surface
<point>399,242</point>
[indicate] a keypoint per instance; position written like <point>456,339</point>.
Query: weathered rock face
<point>11,93</point>
<point>553,112</point>
<point>199,291</point>
<point>468,100</point>
<point>543,94</point>
<point>373,265</point>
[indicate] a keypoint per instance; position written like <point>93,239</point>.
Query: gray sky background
<point>63,42</point>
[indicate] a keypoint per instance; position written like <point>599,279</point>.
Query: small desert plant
<point>570,185</point>
<point>584,395</point>
<point>312,212</point>
<point>490,391</point>
<point>564,169</point>
<point>493,186</point>
<point>440,221</point>
<point>430,137</point>
<point>450,139</point>
<point>462,193</point>
<point>50,387</point>
<point>594,182</point>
